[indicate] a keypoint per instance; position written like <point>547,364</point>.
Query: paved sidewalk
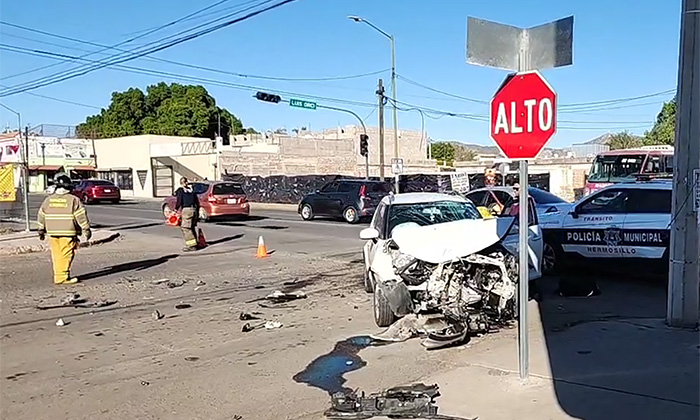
<point>26,242</point>
<point>601,358</point>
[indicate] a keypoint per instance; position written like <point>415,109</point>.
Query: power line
<point>144,34</point>
<point>138,70</point>
<point>192,66</point>
<point>595,105</point>
<point>134,55</point>
<point>59,100</point>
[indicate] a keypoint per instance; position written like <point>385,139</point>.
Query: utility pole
<point>684,274</point>
<point>380,95</point>
<point>25,184</point>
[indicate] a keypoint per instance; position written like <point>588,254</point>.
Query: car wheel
<point>383,315</point>
<point>549,258</point>
<point>307,213</point>
<point>203,216</point>
<point>350,215</point>
<point>167,211</point>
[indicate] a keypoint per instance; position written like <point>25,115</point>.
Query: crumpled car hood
<point>449,241</point>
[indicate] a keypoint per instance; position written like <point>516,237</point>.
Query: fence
<point>291,189</point>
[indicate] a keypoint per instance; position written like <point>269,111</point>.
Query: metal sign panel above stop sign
<point>523,115</point>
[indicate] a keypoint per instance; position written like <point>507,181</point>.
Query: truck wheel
<point>383,315</point>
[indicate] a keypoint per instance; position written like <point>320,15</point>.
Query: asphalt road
<point>282,230</point>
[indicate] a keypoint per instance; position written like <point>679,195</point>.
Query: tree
<point>664,129</point>
<point>172,110</point>
<point>463,154</point>
<point>624,140</point>
<point>443,151</point>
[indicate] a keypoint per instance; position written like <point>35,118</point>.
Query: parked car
<point>95,190</point>
<point>627,224</point>
<point>350,200</point>
<point>216,199</point>
<point>435,252</point>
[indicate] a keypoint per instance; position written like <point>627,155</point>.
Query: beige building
<point>333,151</point>
<point>151,165</point>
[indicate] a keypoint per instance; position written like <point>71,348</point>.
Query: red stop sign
<point>523,115</point>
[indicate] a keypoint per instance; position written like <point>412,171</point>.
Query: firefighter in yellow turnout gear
<point>63,218</point>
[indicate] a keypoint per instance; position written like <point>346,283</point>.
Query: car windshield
<point>224,189</point>
<point>616,168</point>
<point>545,197</point>
<point>424,214</point>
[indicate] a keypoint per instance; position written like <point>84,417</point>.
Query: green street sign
<point>298,103</point>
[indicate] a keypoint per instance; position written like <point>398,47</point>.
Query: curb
<point>29,249</point>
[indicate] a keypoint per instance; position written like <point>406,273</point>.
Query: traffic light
<point>267,97</point>
<point>364,144</point>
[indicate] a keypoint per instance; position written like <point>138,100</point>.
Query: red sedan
<point>94,190</point>
<point>216,199</point>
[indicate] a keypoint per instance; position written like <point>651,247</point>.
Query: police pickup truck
<point>623,223</point>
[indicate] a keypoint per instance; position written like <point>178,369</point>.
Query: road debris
<point>245,316</point>
<point>270,325</point>
<point>145,383</point>
<point>280,297</point>
<point>411,326</point>
<point>157,315</point>
<point>191,358</point>
<point>183,306</point>
<point>160,281</point>
<point>70,299</point>
<point>172,284</point>
<point>406,402</point>
<point>200,283</point>
<point>247,327</point>
<point>60,322</point>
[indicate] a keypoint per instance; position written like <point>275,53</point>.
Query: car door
<point>594,228</point>
<point>348,195</point>
<point>646,232</point>
<point>535,241</point>
<point>322,200</point>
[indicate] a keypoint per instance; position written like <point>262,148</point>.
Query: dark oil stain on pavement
<point>327,371</point>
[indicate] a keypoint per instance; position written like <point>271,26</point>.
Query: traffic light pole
<point>364,130</point>
<point>380,94</point>
<point>683,308</point>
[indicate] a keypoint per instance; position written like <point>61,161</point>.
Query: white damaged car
<point>428,252</point>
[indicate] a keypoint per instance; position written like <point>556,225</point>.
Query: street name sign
<point>298,103</point>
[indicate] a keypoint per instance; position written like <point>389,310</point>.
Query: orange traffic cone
<point>201,240</point>
<point>262,249</point>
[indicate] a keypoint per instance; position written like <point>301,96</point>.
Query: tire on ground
<point>383,315</point>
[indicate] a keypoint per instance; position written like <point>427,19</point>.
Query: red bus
<point>623,165</point>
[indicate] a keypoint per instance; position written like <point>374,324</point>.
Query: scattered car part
<point>245,316</point>
<point>60,322</point>
<point>157,315</point>
<point>411,326</point>
<point>406,402</point>
<point>183,306</point>
<point>280,297</point>
<point>270,325</point>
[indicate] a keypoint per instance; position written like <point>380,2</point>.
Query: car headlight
<point>400,259</point>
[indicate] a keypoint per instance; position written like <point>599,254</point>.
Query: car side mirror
<point>369,234</point>
<point>574,214</point>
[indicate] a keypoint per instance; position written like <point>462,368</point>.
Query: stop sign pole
<point>523,116</point>
<point>523,119</point>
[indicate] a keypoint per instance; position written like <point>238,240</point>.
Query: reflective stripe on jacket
<point>62,214</point>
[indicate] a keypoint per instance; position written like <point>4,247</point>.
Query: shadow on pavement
<point>127,227</point>
<point>251,218</point>
<point>238,224</point>
<point>225,239</point>
<point>612,356</point>
<point>130,266</point>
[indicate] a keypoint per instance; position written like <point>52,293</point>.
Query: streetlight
<point>393,78</point>
<point>25,169</point>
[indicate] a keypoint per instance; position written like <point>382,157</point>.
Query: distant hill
<point>493,150</point>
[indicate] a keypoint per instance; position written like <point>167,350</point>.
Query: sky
<point>622,49</point>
